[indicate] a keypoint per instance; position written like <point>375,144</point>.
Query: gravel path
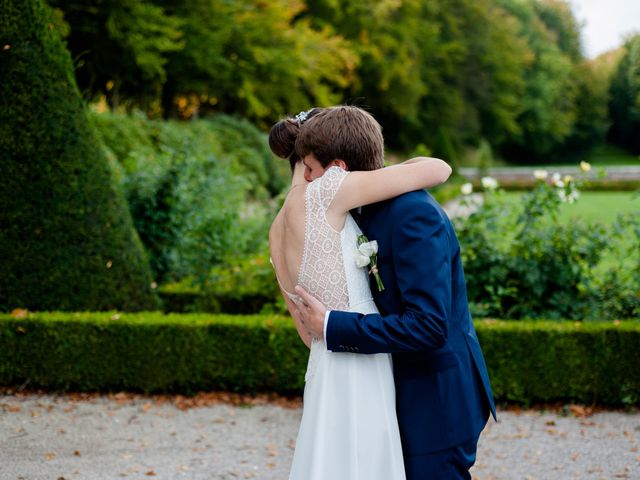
<point>118,436</point>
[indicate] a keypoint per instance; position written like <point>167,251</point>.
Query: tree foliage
<point>443,73</point>
<point>120,48</point>
<point>625,98</point>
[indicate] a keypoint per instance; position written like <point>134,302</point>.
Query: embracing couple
<point>369,266</point>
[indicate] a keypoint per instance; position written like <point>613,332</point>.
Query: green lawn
<point>595,206</point>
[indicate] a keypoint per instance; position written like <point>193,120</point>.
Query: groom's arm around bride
<point>443,394</point>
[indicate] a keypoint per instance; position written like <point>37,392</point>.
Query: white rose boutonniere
<point>367,256</point>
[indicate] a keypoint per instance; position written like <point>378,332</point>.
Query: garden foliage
<point>67,241</point>
<point>198,191</point>
<point>241,285</point>
<point>528,362</point>
<point>521,261</point>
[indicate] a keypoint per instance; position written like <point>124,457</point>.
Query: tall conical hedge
<point>67,241</point>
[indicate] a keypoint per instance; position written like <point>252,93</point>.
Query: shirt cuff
<point>324,328</point>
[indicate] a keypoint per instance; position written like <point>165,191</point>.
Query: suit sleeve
<point>421,259</point>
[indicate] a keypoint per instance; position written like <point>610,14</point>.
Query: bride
<point>349,429</point>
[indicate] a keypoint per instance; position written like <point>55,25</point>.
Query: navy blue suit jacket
<point>443,394</point>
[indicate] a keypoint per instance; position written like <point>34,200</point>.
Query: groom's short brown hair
<point>346,133</point>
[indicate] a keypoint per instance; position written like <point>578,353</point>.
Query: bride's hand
<point>310,313</point>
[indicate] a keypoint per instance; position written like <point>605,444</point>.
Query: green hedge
<point>151,352</point>
<point>589,362</point>
<point>528,362</point>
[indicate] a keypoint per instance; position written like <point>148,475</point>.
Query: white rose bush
<point>521,261</point>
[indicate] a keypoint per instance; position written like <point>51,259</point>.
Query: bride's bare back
<point>286,238</point>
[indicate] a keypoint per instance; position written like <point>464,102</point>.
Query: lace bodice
<point>328,270</point>
<point>322,271</point>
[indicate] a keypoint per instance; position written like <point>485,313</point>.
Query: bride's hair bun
<point>282,138</point>
<point>283,135</point>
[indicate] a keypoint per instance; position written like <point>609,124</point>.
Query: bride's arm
<point>362,188</point>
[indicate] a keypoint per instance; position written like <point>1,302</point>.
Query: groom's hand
<point>310,313</point>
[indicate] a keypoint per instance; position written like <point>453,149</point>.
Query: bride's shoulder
<point>329,182</point>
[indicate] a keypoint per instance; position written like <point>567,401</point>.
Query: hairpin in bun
<point>302,116</point>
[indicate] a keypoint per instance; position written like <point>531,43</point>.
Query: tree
<point>562,25</point>
<point>66,235</point>
<point>433,72</point>
<point>624,106</point>
<point>120,47</point>
<point>254,58</point>
<point>592,115</point>
<point>548,105</point>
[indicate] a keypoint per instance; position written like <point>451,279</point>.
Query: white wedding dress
<point>349,429</point>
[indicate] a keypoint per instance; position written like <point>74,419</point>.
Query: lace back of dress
<point>322,270</point>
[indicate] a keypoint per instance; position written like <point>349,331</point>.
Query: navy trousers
<point>449,464</point>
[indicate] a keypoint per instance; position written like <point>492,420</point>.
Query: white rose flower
<point>556,177</point>
<point>466,189</point>
<point>559,184</point>
<point>362,260</point>
<point>540,174</point>
<point>489,183</point>
<point>368,248</point>
<point>573,196</point>
<point>563,195</point>
<point>585,166</point>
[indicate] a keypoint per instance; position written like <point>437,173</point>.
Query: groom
<point>443,395</point>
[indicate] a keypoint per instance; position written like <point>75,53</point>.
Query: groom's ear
<point>342,164</point>
<point>307,175</point>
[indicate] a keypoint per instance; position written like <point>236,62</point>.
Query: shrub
<point>528,362</point>
<point>243,286</point>
<point>236,143</point>
<point>66,237</point>
<point>152,352</point>
<point>196,190</point>
<point>522,262</point>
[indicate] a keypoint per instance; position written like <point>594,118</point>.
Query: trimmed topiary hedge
<point>67,240</point>
<point>151,352</point>
<point>588,362</point>
<point>528,361</point>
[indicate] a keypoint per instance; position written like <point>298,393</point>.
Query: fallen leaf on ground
<point>580,411</point>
